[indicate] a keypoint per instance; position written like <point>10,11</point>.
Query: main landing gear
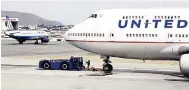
<point>107,67</point>
<point>20,42</point>
<point>36,42</point>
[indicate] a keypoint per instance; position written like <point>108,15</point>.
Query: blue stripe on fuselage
<point>26,37</point>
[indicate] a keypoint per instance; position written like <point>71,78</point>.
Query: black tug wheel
<point>46,65</point>
<point>64,66</point>
<point>107,68</point>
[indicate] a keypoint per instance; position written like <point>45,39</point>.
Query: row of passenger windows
<point>127,35</point>
<point>179,35</point>
<point>156,17</point>
<point>167,17</point>
<point>141,35</point>
<point>87,34</point>
<point>133,17</point>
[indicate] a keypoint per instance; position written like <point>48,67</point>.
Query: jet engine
<point>184,64</point>
<point>44,39</point>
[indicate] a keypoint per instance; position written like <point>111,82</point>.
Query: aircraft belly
<point>127,50</point>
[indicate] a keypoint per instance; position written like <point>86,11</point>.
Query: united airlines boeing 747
<point>150,34</point>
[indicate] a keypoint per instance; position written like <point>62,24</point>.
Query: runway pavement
<point>19,65</point>
<point>12,48</point>
<point>31,78</point>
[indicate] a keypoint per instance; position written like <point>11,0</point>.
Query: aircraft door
<point>111,36</point>
<point>169,38</point>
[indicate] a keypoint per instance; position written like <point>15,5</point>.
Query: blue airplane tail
<point>9,24</point>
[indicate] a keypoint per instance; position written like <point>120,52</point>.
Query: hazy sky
<point>75,11</point>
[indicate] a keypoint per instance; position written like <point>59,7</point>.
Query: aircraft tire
<point>20,42</point>
<point>107,68</point>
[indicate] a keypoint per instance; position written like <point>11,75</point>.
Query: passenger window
<point>111,35</point>
<point>83,34</point>
<point>179,35</point>
<point>152,35</point>
<point>149,35</point>
<point>142,17</point>
<point>94,34</point>
<point>127,35</point>
<point>170,35</point>
<point>182,35</point>
<point>175,17</point>
<point>165,17</point>
<point>123,17</point>
<point>156,35</point>
<point>91,34</point>
<point>86,34</point>
<point>146,35</point>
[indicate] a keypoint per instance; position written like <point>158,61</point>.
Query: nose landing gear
<point>107,67</point>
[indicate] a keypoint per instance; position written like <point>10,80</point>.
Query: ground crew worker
<point>88,64</point>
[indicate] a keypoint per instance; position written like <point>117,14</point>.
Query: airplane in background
<point>23,35</point>
<point>147,34</point>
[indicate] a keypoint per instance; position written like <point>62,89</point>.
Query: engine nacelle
<point>45,40</point>
<point>184,64</point>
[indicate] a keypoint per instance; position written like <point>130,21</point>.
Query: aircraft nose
<point>65,35</point>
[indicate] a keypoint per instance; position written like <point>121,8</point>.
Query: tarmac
<point>19,70</point>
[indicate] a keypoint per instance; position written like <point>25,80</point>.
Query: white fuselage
<point>26,34</point>
<point>134,33</point>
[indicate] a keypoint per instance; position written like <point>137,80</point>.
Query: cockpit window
<point>93,16</point>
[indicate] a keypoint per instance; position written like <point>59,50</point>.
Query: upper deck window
<point>93,16</point>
